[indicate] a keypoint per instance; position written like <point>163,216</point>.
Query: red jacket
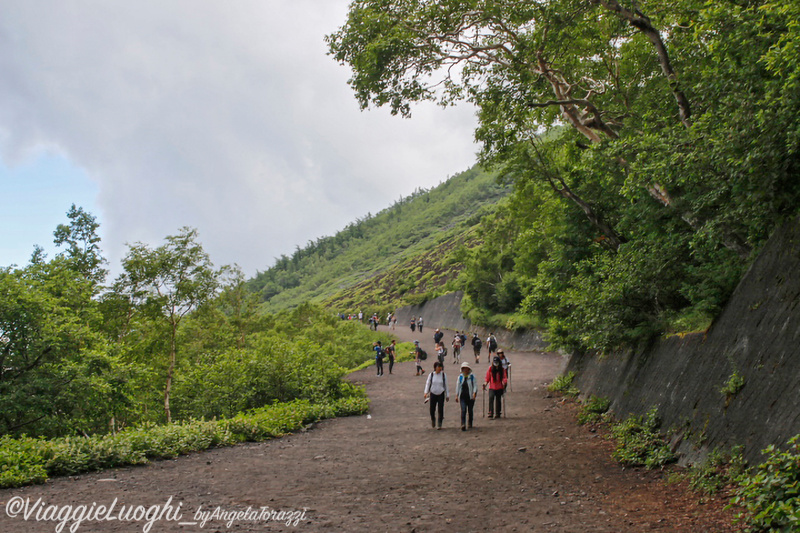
<point>498,384</point>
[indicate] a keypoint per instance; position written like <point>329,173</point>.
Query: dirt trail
<point>535,470</point>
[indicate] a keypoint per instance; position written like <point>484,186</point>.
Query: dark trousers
<point>379,364</point>
<point>495,402</point>
<point>437,400</point>
<point>391,364</point>
<point>467,406</point>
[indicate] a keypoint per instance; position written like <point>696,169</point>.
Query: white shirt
<point>436,383</point>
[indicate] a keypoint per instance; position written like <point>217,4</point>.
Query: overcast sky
<point>226,116</point>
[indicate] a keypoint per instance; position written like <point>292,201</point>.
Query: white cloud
<point>225,116</point>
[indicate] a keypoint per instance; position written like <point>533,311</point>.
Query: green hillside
<point>403,254</point>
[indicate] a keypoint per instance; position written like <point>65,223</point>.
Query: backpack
<point>380,353</point>
<point>492,343</point>
<point>423,355</point>
<point>477,343</point>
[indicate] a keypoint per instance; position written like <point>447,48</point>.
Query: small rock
<point>523,449</point>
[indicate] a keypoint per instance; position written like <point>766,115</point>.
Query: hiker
<point>360,316</point>
<point>437,336</point>
<point>441,352</point>
<point>419,324</point>
<point>391,352</point>
<point>497,380</point>
<point>504,362</point>
<point>476,347</point>
<point>456,348</point>
<point>421,355</point>
<point>379,355</point>
<point>375,321</point>
<point>394,321</point>
<point>463,338</point>
<point>466,392</point>
<point>436,392</point>
<point>370,322</point>
<point>413,324</point>
<point>491,343</point>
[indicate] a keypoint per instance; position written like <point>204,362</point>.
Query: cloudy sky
<point>226,116</point>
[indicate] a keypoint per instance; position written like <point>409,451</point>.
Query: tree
<point>82,242</point>
<point>175,278</point>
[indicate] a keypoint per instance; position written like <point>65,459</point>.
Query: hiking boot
<point>469,425</point>
<point>463,428</point>
<point>433,424</point>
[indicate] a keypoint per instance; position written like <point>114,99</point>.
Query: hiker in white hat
<point>466,392</point>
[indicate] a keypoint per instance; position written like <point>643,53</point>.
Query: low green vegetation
<point>593,409</point>
<point>563,384</point>
<point>770,493</point>
<point>26,460</point>
<point>639,442</point>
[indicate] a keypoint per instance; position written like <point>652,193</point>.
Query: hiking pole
<point>505,411</point>
<point>508,375</point>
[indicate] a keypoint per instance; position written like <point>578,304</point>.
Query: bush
<point>563,384</point>
<point>593,409</point>
<point>25,461</point>
<point>771,492</point>
<point>639,443</point>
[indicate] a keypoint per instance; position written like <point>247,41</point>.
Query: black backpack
<point>423,355</point>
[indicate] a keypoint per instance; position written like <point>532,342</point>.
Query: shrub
<point>593,409</point>
<point>639,443</point>
<point>563,384</point>
<point>771,492</point>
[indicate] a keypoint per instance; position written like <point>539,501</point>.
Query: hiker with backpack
<point>466,392</point>
<point>421,355</point>
<point>391,352</point>
<point>413,324</point>
<point>491,343</point>
<point>496,379</point>
<point>441,352</point>
<point>456,348</point>
<point>436,392</point>
<point>437,336</point>
<point>379,355</point>
<point>476,347</point>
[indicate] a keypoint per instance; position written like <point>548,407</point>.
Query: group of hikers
<point>374,320</point>
<point>437,392</point>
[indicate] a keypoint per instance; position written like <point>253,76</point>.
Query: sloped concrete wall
<point>757,336</point>
<point>445,312</point>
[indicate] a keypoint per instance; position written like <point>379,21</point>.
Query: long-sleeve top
<point>499,382</point>
<point>471,384</point>
<point>437,384</point>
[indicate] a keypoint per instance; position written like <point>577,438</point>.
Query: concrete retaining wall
<point>757,336</point>
<point>445,312</point>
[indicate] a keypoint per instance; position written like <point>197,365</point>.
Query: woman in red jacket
<point>497,379</point>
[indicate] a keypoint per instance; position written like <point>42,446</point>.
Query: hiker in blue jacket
<point>466,392</point>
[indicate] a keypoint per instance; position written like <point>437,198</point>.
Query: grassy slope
<point>401,255</point>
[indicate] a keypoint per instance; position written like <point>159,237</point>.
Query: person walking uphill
<point>466,392</point>
<point>436,391</point>
<point>497,379</point>
<point>391,352</point>
<point>379,355</point>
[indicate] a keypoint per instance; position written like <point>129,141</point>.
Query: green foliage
<point>719,470</point>
<point>639,443</point>
<point>733,385</point>
<point>770,493</point>
<point>662,167</point>
<point>563,384</point>
<point>593,409</point>
<point>25,460</point>
<point>404,254</point>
